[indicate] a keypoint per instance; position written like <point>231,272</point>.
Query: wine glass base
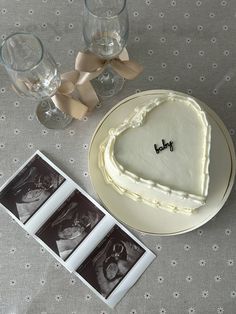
<point>108,83</point>
<point>51,117</point>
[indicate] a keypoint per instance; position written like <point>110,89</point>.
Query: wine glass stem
<point>51,108</point>
<point>108,83</point>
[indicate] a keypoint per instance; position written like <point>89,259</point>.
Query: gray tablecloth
<point>184,45</point>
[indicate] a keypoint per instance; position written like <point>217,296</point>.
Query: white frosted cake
<point>160,155</point>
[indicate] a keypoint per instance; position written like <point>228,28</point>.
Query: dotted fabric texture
<point>188,46</point>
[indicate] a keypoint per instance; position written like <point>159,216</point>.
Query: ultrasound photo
<point>110,262</point>
<point>30,188</point>
<point>70,224</point>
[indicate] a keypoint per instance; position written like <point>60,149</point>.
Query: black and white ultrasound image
<point>110,262</point>
<point>72,222</point>
<point>30,188</point>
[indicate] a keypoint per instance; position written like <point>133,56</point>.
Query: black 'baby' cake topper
<point>164,146</point>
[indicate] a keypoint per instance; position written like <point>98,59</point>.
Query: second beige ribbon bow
<point>65,101</point>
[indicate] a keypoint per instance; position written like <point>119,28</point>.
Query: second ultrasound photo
<point>70,224</point>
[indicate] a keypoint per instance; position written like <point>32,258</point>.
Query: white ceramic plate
<point>158,221</point>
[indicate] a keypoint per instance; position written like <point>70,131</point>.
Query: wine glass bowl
<point>106,27</point>
<point>34,74</point>
<point>105,31</point>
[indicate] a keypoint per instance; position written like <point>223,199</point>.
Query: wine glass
<point>34,74</point>
<point>105,31</point>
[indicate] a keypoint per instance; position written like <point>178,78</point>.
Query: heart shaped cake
<point>160,155</point>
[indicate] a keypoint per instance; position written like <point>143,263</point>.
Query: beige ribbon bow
<point>87,67</point>
<point>91,66</point>
<point>65,101</point>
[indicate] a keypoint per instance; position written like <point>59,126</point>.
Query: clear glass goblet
<point>34,74</point>
<point>105,31</point>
